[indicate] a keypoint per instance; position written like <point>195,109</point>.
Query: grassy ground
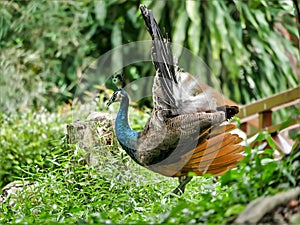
<point>65,190</point>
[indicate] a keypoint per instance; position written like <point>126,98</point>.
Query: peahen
<point>186,133</point>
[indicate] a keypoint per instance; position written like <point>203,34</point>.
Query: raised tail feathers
<point>162,57</point>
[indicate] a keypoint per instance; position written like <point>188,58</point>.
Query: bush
<point>66,190</point>
<point>26,140</point>
<point>46,45</point>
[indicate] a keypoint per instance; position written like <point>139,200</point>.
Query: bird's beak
<point>113,98</point>
<point>110,101</point>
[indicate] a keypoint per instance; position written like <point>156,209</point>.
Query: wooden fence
<point>257,116</point>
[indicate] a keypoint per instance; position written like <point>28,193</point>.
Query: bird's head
<point>118,80</point>
<point>117,96</point>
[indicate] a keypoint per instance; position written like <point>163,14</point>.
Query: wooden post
<point>265,119</point>
<point>245,127</point>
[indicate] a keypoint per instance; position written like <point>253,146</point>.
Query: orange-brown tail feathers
<point>219,152</point>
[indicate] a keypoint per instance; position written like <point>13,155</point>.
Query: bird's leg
<point>182,182</point>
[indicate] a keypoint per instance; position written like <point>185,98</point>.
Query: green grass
<point>118,191</point>
<point>26,139</point>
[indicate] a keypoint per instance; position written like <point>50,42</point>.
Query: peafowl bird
<point>187,133</point>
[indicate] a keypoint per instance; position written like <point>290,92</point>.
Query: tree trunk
<point>95,136</point>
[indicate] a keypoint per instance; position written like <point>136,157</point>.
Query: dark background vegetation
<point>47,45</point>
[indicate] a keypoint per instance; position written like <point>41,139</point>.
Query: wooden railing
<point>257,116</point>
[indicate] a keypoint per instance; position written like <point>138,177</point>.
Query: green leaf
<point>157,9</point>
<point>194,33</point>
<point>179,31</point>
<point>249,16</point>
<point>260,18</point>
<point>271,142</point>
<point>238,5</point>
<point>117,55</point>
<point>100,11</point>
<point>192,8</point>
<point>290,177</point>
<point>234,210</point>
<point>285,124</point>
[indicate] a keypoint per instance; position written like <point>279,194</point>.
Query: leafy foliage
<point>240,43</point>
<point>46,45</point>
<point>119,191</point>
<point>26,140</point>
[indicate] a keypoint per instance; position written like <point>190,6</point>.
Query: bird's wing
<point>162,57</point>
<point>166,143</point>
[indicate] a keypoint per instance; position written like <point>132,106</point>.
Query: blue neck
<point>126,136</point>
